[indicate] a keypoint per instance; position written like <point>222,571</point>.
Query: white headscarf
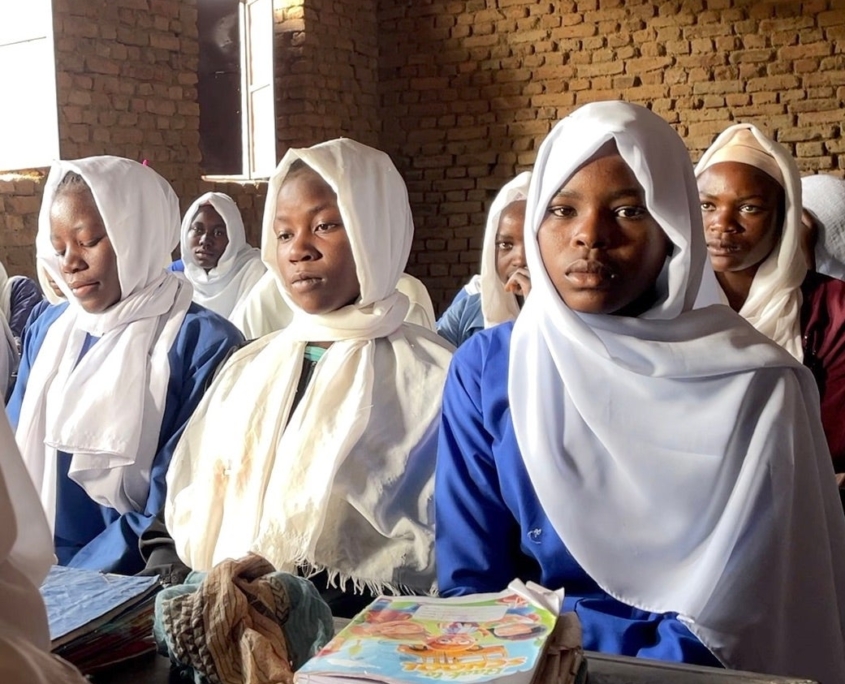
<point>497,305</point>
<point>106,408</point>
<point>239,267</point>
<point>26,554</point>
<point>679,455</point>
<point>824,198</point>
<point>345,481</point>
<point>774,300</point>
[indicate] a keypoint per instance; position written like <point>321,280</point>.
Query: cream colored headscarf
<point>679,455</point>
<point>26,553</point>
<point>239,267</point>
<point>106,408</point>
<point>774,301</point>
<point>497,305</point>
<point>344,482</point>
<point>824,198</point>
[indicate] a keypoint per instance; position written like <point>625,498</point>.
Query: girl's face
<point>86,258</point>
<point>510,245</point>
<point>741,207</point>
<point>313,251</point>
<point>207,237</point>
<point>601,248</point>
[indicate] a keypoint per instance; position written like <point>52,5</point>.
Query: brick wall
<point>326,72</point>
<point>469,90</point>
<point>459,93</point>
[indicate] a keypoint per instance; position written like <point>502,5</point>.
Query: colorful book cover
<point>478,638</point>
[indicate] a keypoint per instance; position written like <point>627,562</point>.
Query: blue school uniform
<point>88,535</point>
<point>462,319</point>
<point>490,525</point>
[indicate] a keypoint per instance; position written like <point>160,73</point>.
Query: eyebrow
<point>315,210</point>
<point>623,192</point>
<point>744,198</point>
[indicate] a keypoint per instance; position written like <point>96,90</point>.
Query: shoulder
<point>817,286</point>
<point>177,266</point>
<point>24,287</point>
<point>483,359</point>
<point>202,328</point>
<point>47,317</point>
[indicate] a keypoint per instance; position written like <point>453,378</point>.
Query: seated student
<point>315,446</point>
<point>109,378</point>
<point>26,555</point>
<point>823,198</point>
<point>504,281</point>
<point>19,295</point>
<point>750,195</point>
<point>660,461</point>
<point>217,260</point>
<point>265,310</point>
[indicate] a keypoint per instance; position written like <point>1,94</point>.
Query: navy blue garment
<point>491,528</point>
<point>462,319</point>
<point>88,535</point>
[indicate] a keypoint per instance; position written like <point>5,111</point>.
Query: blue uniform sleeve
<point>25,296</point>
<point>476,535</point>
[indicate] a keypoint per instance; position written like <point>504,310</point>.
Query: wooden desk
<point>603,669</point>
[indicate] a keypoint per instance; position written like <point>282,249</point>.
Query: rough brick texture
<point>459,92</point>
<point>469,89</point>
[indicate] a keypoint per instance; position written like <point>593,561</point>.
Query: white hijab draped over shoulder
<point>26,554</point>
<point>106,408</point>
<point>344,482</point>
<point>774,300</point>
<point>497,305</point>
<point>679,455</point>
<point>824,198</point>
<point>224,287</point>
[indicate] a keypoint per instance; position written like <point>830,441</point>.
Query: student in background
<point>108,378</point>
<point>315,446</point>
<point>25,558</point>
<point>750,191</point>
<point>218,262</point>
<point>19,295</point>
<point>504,282</point>
<point>823,198</point>
<point>652,454</point>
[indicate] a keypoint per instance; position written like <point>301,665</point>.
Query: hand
<point>519,283</point>
<point>840,480</point>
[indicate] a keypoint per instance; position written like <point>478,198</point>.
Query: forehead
<point>738,178</point>
<point>605,172</point>
<point>304,186</point>
<point>207,213</point>
<point>74,206</point>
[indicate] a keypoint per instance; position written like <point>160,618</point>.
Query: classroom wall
<point>469,89</point>
<point>459,92</point>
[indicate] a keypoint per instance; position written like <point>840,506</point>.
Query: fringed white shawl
<point>774,300</point>
<point>497,305</point>
<point>679,455</point>
<point>344,483</point>
<point>106,408</point>
<point>224,287</point>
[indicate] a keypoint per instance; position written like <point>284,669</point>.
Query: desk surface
<point>603,669</point>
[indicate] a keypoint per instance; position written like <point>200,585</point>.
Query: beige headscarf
<point>774,301</point>
<point>344,482</point>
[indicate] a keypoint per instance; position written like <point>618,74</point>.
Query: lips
<point>716,248</point>
<point>305,281</point>
<point>590,274</point>
<point>82,289</point>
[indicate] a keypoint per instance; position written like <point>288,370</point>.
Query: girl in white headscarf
<point>504,281</point>
<point>661,461</point>
<point>750,190</point>
<point>25,558</point>
<point>315,446</point>
<point>824,199</point>
<point>218,262</point>
<point>108,379</point>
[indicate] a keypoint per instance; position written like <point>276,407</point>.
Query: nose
<point>301,247</point>
<point>592,230</point>
<point>205,238</point>
<point>518,255</point>
<point>72,261</point>
<point>720,220</point>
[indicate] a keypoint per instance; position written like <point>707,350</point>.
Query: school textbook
<point>511,637</point>
<point>99,619</point>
